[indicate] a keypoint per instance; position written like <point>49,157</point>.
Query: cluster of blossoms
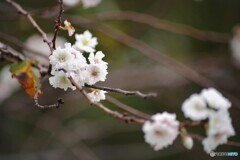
<point>212,106</point>
<point>70,62</point>
<point>163,128</point>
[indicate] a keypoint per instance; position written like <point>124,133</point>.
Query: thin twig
<point>57,23</point>
<point>19,43</point>
<point>33,22</point>
<point>12,57</point>
<point>164,25</point>
<point>127,108</point>
<point>115,114</point>
<point>118,90</point>
<point>191,123</point>
<point>36,103</point>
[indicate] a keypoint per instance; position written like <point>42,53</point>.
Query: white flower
<point>85,42</point>
<point>70,3</point>
<point>60,80</point>
<point>68,26</point>
<point>62,58</point>
<point>97,95</point>
<point>219,129</point>
<point>96,73</point>
<point>195,108</point>
<point>215,99</point>
<point>220,123</point>
<point>90,3</point>
<point>161,130</point>
<point>187,142</point>
<point>210,143</point>
<point>80,76</point>
<point>97,58</point>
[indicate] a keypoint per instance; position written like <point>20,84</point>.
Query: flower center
<point>158,132</point>
<point>62,58</point>
<point>63,80</point>
<point>85,42</point>
<point>94,73</point>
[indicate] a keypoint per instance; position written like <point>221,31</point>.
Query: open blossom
<point>97,95</point>
<point>215,99</point>
<point>90,3</point>
<point>195,108</point>
<point>61,58</point>
<point>97,58</point>
<point>96,73</point>
<point>220,123</point>
<point>161,130</point>
<point>68,26</point>
<point>60,80</point>
<point>219,129</point>
<point>211,142</point>
<point>85,42</point>
<point>35,44</point>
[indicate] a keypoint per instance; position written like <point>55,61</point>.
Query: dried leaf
<point>23,72</point>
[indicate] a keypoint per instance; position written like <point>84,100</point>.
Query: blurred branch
<point>105,109</point>
<point>150,52</point>
<point>19,43</point>
<point>33,22</point>
<point>9,56</point>
<point>127,108</point>
<point>127,93</point>
<point>142,47</point>
<point>164,25</point>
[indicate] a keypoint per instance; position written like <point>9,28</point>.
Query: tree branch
<point>164,25</point>
<point>105,109</point>
<point>19,43</point>
<point>57,23</point>
<point>33,22</point>
<point>127,108</point>
<point>118,90</point>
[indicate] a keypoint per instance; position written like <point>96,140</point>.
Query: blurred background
<point>80,131</point>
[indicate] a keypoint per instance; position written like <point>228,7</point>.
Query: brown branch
<point>105,109</point>
<point>191,123</point>
<point>164,25</point>
<point>118,90</point>
<point>57,23</point>
<point>10,56</point>
<point>36,103</point>
<point>127,108</point>
<point>33,22</point>
<point>19,43</point>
